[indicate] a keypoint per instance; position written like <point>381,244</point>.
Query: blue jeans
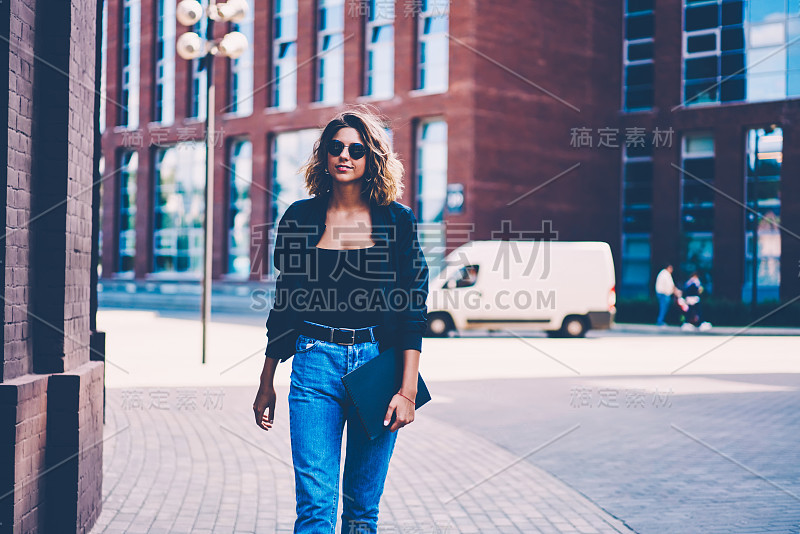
<point>318,409</point>
<point>663,306</point>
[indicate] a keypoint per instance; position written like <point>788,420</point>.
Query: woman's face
<point>343,168</point>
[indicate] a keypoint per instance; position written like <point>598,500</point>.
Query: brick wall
<point>554,68</point>
<point>75,446</point>
<point>18,350</point>
<point>23,402</point>
<point>51,394</point>
<point>79,186</point>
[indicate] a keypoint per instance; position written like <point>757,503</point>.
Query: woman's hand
<point>404,410</point>
<point>265,398</point>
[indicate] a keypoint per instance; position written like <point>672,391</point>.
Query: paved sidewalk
<point>680,454</point>
<point>192,460</point>
<point>676,433</point>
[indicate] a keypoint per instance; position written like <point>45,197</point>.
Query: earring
<point>326,172</point>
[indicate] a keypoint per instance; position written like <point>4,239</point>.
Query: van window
<point>466,276</point>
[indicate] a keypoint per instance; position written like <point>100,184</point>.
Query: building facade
<point>638,130</point>
<point>52,373</point>
<point>718,82</point>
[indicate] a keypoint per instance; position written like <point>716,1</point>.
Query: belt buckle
<point>353,330</point>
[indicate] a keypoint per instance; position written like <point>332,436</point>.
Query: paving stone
<point>210,473</point>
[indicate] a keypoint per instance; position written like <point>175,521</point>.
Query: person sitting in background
<point>691,295</point>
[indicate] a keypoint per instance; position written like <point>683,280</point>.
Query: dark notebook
<point>372,385</point>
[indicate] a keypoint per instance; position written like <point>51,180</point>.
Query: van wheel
<point>439,325</point>
<point>573,326</point>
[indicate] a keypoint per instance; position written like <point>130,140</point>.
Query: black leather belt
<point>342,336</point>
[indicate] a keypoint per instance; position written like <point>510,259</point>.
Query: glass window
<point>793,50</point>
<point>164,76</point>
<point>757,53</point>
<point>635,265</point>
<point>379,50</point>
<point>433,45</point>
<point>635,6</point>
<point>465,276</point>
<point>762,192</point>
<point>637,207</point>
<point>772,34</point>
<point>639,26</point>
<point>330,52</point>
<point>701,17</point>
<point>128,168</point>
<point>284,55</point>
<point>697,205</point>
<point>638,51</point>
<point>129,64</point>
<point>768,86</point>
<point>198,86</point>
<point>432,170</point>
<point>290,151</point>
<point>765,10</point>
<point>732,64</point>
<point>732,13</point>
<point>180,173</point>
<point>241,88</point>
<point>705,42</point>
<point>432,189</point>
<point>638,57</point>
<point>732,38</point>
<point>240,177</point>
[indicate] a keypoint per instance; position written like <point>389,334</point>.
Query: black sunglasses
<point>356,150</point>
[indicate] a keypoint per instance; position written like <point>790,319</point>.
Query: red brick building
<point>500,112</point>
<point>52,374</point>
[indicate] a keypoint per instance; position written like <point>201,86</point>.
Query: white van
<point>564,288</point>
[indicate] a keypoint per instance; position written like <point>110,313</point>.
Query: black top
<point>342,291</point>
<point>405,270</point>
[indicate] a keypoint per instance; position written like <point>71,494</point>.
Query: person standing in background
<point>665,288</point>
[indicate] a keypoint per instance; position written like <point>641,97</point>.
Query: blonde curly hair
<point>383,176</point>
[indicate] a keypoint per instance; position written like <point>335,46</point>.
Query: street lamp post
<point>191,46</point>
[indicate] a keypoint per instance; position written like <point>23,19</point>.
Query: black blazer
<point>404,273</point>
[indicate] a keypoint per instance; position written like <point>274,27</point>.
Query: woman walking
<point>353,281</point>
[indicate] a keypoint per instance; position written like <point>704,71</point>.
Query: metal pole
<point>754,244</point>
<point>208,218</point>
